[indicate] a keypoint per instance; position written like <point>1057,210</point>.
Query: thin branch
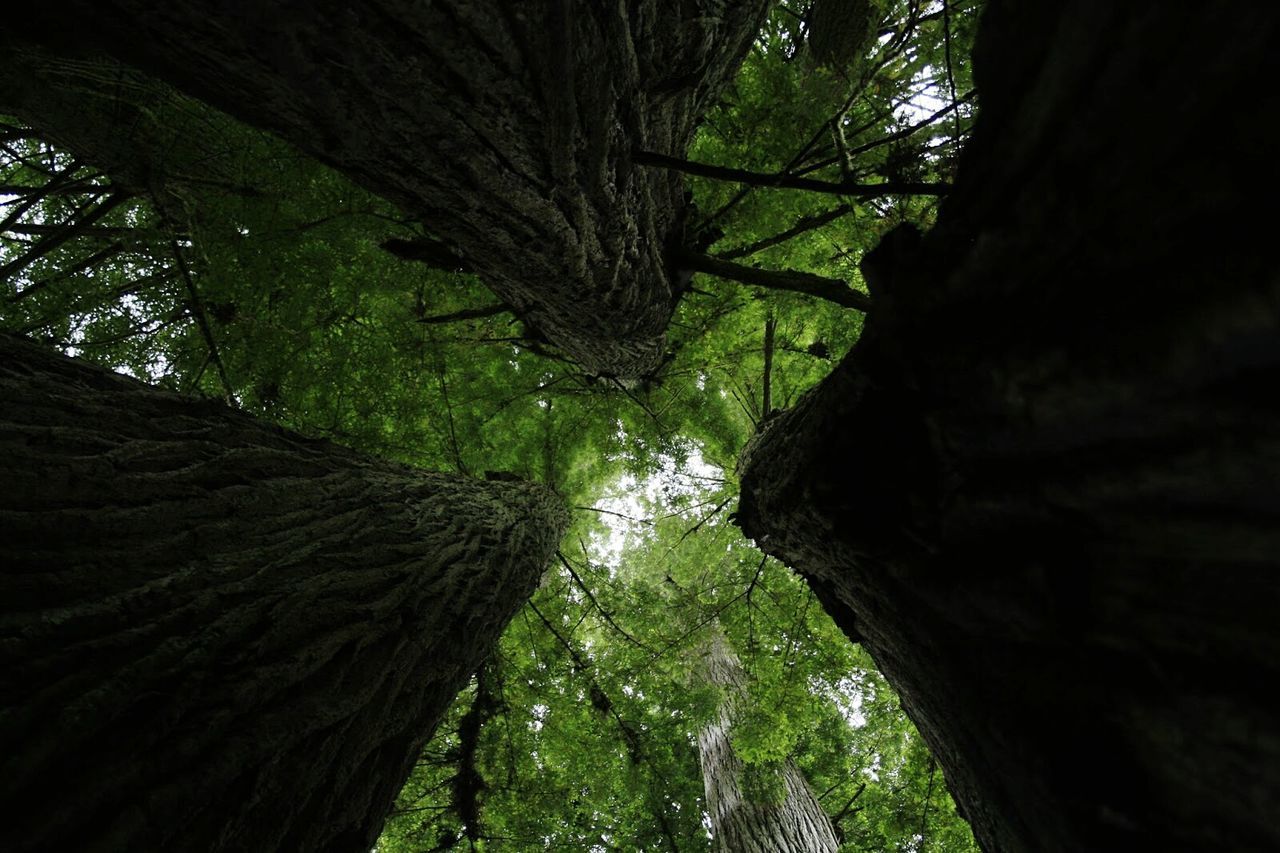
<point>761,179</point>
<point>53,241</point>
<point>603,613</point>
<point>448,411</point>
<point>647,521</point>
<point>467,314</point>
<point>573,653</point>
<point>766,392</point>
<point>831,289</point>
<point>202,320</point>
<point>804,224</point>
<point>58,181</point>
<point>946,47</point>
<point>433,253</point>
<point>924,813</point>
<point>97,257</point>
<point>714,512</point>
<point>896,136</point>
<point>844,811</point>
<point>755,421</point>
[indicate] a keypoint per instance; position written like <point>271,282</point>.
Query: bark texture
<point>1043,487</point>
<point>507,128</point>
<point>218,635</point>
<point>739,822</point>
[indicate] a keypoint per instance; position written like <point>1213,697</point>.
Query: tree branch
<point>64,235</point>
<point>805,223</point>
<point>831,289</point>
<point>467,314</point>
<point>603,613</point>
<point>202,320</point>
<point>760,179</point>
<point>433,253</point>
<point>766,393</point>
<point>896,136</point>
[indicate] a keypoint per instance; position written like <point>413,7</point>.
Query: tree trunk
<point>508,131</point>
<point>1042,488</point>
<point>218,635</point>
<point>740,822</point>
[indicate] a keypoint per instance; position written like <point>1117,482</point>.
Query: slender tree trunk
<point>740,823</point>
<point>1043,487</point>
<point>509,131</point>
<point>218,635</point>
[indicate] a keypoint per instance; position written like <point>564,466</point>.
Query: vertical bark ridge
<point>218,635</point>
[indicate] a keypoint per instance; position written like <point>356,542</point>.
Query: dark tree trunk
<point>507,128</point>
<point>218,635</point>
<point>1043,487</point>
<point>741,822</point>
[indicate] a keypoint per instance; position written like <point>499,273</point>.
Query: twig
<point>805,223</point>
<point>202,320</point>
<point>70,232</point>
<point>647,521</point>
<point>782,181</point>
<point>467,314</point>
<point>603,613</point>
<point>766,390</point>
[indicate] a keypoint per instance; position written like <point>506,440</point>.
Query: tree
<point>774,810</point>
<point>220,635</point>
<point>1041,489</point>
<point>509,133</point>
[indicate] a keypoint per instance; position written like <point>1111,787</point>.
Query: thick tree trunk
<point>740,822</point>
<point>508,130</point>
<point>1043,488</point>
<point>217,635</point>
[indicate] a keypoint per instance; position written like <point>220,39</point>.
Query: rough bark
<point>1042,488</point>
<point>508,130</point>
<point>740,823</point>
<point>127,126</point>
<point>218,635</point>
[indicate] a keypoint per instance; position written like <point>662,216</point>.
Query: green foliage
<point>258,275</point>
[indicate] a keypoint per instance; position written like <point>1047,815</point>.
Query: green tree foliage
<point>237,268</point>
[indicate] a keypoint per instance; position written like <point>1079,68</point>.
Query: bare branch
<point>803,224</point>
<point>831,289</point>
<point>760,179</point>
<point>202,319</point>
<point>53,241</point>
<point>467,314</point>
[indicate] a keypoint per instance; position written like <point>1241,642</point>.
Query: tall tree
<point>771,810</point>
<point>509,132</point>
<point>220,635</point>
<point>1042,488</point>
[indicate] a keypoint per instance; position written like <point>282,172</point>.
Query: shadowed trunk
<point>743,820</point>
<point>1042,488</point>
<point>218,635</point>
<point>508,130</point>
